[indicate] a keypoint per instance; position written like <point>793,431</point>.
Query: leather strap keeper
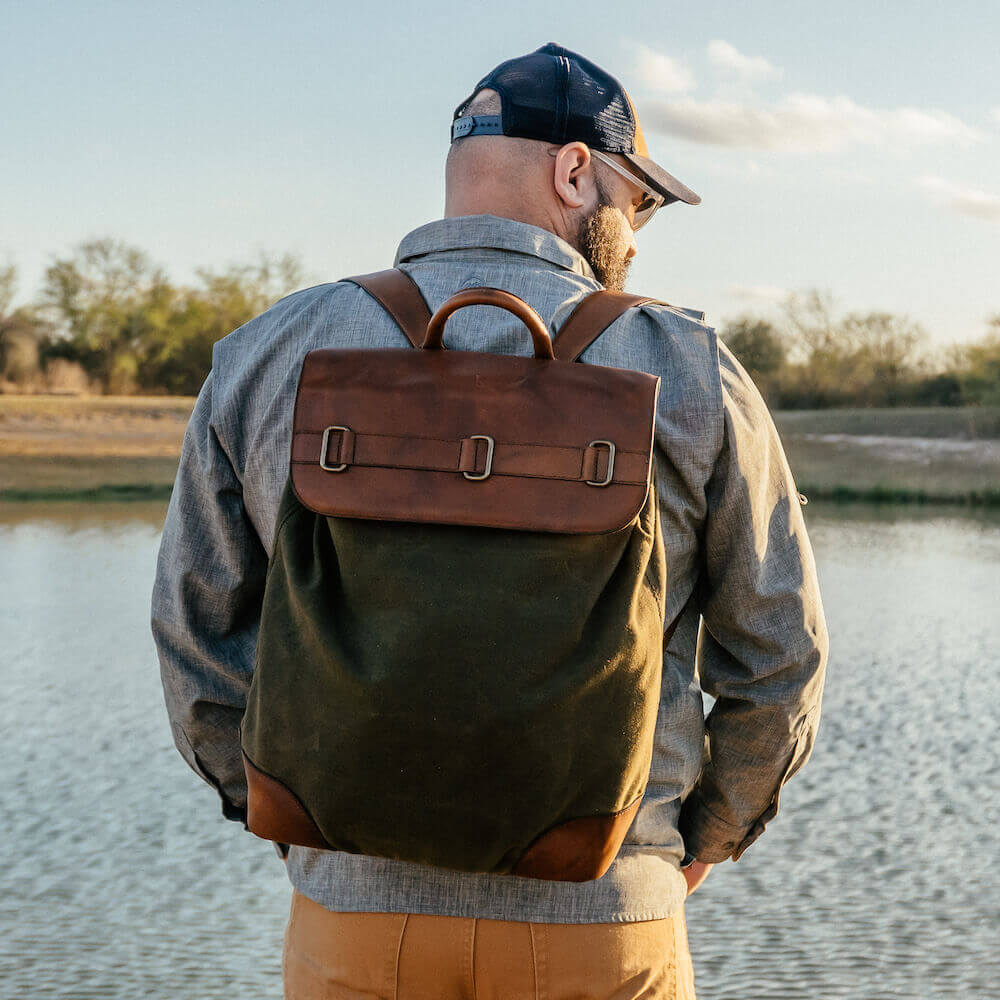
<point>396,451</point>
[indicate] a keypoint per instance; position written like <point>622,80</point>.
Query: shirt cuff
<point>711,839</point>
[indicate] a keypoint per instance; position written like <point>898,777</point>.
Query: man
<point>547,179</point>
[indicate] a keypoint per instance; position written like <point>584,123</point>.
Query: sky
<point>850,147</point>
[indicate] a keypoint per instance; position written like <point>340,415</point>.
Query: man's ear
<point>571,174</point>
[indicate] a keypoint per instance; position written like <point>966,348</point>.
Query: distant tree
<point>813,330</point>
<point>241,292</point>
<point>8,288</point>
<point>22,332</point>
<point>939,389</point>
<point>885,355</point>
<point>861,359</point>
<point>759,347</point>
<point>115,313</point>
<point>977,366</point>
<point>757,343</point>
<point>178,352</point>
<point>104,298</point>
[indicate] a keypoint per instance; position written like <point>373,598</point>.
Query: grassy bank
<point>126,447</point>
<point>967,423</point>
<point>895,456</point>
<point>96,448</point>
<point>98,426</point>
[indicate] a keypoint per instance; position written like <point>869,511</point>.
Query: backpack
<point>461,638</point>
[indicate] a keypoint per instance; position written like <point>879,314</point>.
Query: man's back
<point>735,545</point>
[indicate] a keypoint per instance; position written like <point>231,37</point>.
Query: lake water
<point>877,880</point>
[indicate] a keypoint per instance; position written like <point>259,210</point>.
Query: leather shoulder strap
<point>590,319</point>
<point>399,295</point>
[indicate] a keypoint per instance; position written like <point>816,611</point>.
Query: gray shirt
<point>752,634</point>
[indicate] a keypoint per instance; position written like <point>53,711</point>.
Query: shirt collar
<point>464,232</point>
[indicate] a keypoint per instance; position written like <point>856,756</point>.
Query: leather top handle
<point>399,295</point>
<point>491,297</point>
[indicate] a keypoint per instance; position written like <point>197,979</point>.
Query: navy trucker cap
<point>557,96</point>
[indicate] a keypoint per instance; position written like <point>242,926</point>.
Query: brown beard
<point>599,240</point>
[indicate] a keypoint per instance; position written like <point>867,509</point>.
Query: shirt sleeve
<point>206,600</point>
<point>763,645</point>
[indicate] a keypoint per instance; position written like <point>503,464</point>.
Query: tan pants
<point>406,956</point>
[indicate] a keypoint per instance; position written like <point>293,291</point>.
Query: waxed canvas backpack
<point>462,632</point>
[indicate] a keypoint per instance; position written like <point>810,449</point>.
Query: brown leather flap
<point>409,432</point>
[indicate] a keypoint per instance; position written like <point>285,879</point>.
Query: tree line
<point>109,320</point>
<point>813,358</point>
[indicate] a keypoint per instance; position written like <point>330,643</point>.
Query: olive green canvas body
<point>446,694</point>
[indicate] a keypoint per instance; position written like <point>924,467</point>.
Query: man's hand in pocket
<point>695,874</point>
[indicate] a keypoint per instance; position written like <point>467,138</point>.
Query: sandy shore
<point>118,447</point>
<point>104,426</point>
<point>90,447</point>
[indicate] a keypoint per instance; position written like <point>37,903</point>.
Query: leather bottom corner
<point>276,813</point>
<point>578,850</point>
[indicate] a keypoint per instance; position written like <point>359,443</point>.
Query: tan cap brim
<point>668,185</point>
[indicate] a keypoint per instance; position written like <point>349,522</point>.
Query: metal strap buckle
<point>326,444</point>
<point>611,463</point>
<point>490,444</point>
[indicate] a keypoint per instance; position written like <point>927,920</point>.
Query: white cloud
<point>995,115</point>
<point>802,123</point>
<point>759,293</point>
<point>967,201</point>
<point>729,60</point>
<point>660,72</point>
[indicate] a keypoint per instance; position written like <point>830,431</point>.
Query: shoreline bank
<point>877,495</point>
<point>105,448</point>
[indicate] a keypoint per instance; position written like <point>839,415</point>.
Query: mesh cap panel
<point>546,95</point>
